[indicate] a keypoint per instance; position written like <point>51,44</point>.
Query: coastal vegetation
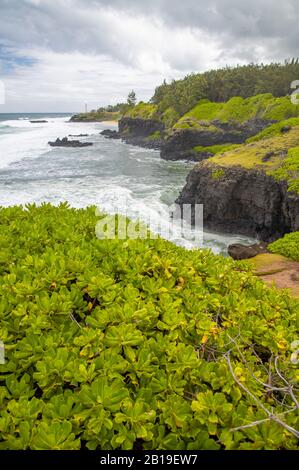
<point>265,107</point>
<point>108,113</point>
<point>287,246</point>
<point>142,111</point>
<point>137,344</point>
<point>99,116</point>
<point>223,84</point>
<point>277,155</point>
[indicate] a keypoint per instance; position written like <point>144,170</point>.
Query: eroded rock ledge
<point>146,133</point>
<point>181,144</point>
<point>238,200</point>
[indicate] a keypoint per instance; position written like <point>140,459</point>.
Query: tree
<point>132,98</point>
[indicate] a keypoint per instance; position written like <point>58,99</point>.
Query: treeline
<point>222,84</point>
<point>120,107</point>
<point>114,108</point>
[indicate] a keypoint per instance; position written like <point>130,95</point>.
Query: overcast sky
<point>56,55</point>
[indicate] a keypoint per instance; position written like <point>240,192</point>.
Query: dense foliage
<point>237,109</point>
<point>222,84</point>
<point>289,170</point>
<point>206,114</point>
<point>142,111</point>
<point>96,115</point>
<point>121,344</point>
<point>287,246</point>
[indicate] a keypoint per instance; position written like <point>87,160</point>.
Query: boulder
<point>69,143</point>
<point>244,201</point>
<point>238,251</point>
<point>110,134</point>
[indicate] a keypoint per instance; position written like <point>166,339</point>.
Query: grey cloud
<point>69,25</point>
<point>111,46</point>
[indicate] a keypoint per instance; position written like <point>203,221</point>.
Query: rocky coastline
<point>181,144</point>
<point>65,142</point>
<point>254,136</point>
<point>247,202</point>
<point>144,133</point>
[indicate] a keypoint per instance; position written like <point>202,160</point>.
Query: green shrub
<point>218,173</point>
<point>214,149</point>
<point>289,170</point>
<point>155,135</point>
<point>120,344</point>
<point>169,117</point>
<point>142,111</point>
<point>96,116</point>
<point>274,129</point>
<point>240,110</point>
<point>287,246</point>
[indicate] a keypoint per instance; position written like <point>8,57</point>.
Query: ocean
<point>111,175</point>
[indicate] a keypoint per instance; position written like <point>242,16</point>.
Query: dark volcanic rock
<point>238,251</point>
<point>78,135</point>
<point>247,202</point>
<point>136,131</point>
<point>179,145</point>
<point>69,143</point>
<point>110,134</point>
<point>139,127</point>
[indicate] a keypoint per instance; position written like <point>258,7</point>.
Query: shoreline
<point>109,122</point>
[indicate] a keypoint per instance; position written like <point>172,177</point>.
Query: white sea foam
<point>31,140</point>
<point>111,175</point>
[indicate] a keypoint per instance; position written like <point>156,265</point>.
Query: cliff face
<point>238,200</point>
<point>143,132</point>
<point>95,116</point>
<point>180,144</point>
<point>138,127</point>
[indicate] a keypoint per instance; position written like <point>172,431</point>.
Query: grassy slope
<point>277,155</point>
<point>240,110</point>
<point>97,116</point>
<point>150,111</point>
<point>142,111</point>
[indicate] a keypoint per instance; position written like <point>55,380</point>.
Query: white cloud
<point>57,80</point>
<point>97,51</point>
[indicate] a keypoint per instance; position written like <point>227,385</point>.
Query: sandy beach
<point>110,123</point>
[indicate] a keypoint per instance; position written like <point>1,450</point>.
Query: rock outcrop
<point>69,143</point>
<point>243,201</point>
<point>238,251</point>
<point>110,134</point>
<point>181,142</point>
<point>147,133</point>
